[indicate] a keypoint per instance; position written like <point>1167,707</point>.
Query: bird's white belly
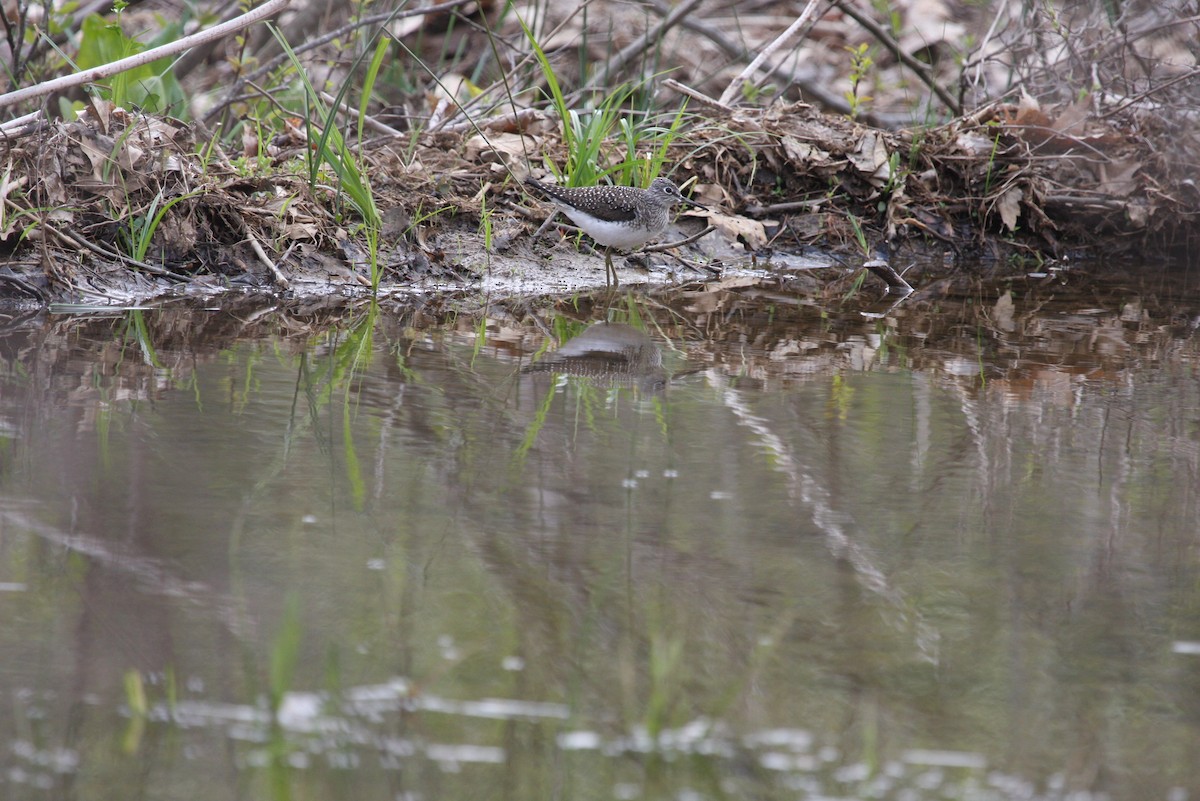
<point>612,234</point>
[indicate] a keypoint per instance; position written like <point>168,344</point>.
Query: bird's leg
<point>610,272</point>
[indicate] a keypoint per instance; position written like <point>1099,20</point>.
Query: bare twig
<point>265,259</point>
<point>758,210</point>
<point>67,236</point>
<point>25,124</point>
<point>267,9</point>
<point>680,243</point>
<point>743,77</point>
<point>809,88</point>
<point>325,39</point>
<point>198,55</point>
<point>696,95</point>
<point>518,121</point>
<point>920,69</point>
<point>886,273</point>
<point>1152,90</point>
<point>983,45</point>
<point>25,286</point>
<point>639,45</point>
<point>346,110</point>
<point>527,58</point>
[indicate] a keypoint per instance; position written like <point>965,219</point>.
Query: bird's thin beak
<point>691,202</point>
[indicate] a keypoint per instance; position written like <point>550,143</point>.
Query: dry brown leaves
<point>1046,177</point>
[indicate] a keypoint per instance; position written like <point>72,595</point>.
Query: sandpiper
<point>617,216</point>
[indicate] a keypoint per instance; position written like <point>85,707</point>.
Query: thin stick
<point>639,45</point>
<point>886,273</point>
<point>983,45</point>
<point>887,40</point>
<point>680,243</point>
<point>325,39</point>
<point>346,110</point>
<point>527,58</point>
<point>69,236</point>
<point>265,259</point>
<point>25,124</point>
<point>517,121</point>
<point>267,9</point>
<point>696,95</point>
<point>735,86</point>
<point>809,87</point>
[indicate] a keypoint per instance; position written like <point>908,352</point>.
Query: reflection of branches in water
<point>150,573</point>
<point>804,487</point>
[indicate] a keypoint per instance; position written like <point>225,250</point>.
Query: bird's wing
<point>610,203</point>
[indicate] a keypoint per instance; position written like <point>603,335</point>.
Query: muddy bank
<point>786,195</point>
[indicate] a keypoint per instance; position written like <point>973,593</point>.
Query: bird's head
<point>665,193</point>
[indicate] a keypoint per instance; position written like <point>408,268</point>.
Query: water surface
<point>708,543</point>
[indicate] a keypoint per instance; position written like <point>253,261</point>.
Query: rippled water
<point>708,543</point>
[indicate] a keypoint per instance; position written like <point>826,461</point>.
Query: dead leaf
<point>871,159</point>
<point>7,185</point>
<point>509,148</point>
<point>98,149</point>
<point>750,232</point>
<point>974,144</point>
<point>1116,179</point>
<point>1002,312</point>
<point>1139,213</point>
<point>1009,206</point>
<point>1062,133</point>
<point>803,154</point>
<point>297,231</point>
<point>1071,119</point>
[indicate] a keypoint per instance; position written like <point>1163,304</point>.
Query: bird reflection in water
<point>610,355</point>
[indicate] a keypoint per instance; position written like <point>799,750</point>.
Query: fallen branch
<point>312,44</point>
<point>680,243</point>
<point>267,9</point>
<point>639,45</point>
<point>735,86</point>
<point>920,69</point>
<point>696,95</point>
<point>887,273</point>
<point>257,247</point>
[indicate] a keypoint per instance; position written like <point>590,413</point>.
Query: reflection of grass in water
<point>666,656</point>
<point>284,656</point>
<point>535,425</point>
<point>350,355</point>
<point>138,704</point>
<point>355,356</point>
<point>135,328</point>
<point>480,338</point>
<point>135,700</point>
<point>676,663</point>
<point>563,329</point>
<point>285,653</point>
